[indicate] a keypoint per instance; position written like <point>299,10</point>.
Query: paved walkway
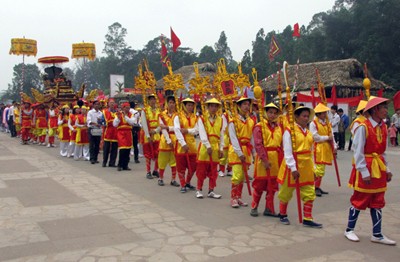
<point>58,209</point>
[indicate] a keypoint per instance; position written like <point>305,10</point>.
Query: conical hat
<point>374,101</point>
<point>243,98</point>
<point>271,105</point>
<point>361,105</point>
<point>320,108</point>
<point>186,100</point>
<point>213,101</point>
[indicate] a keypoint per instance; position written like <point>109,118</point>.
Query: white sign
<point>117,84</point>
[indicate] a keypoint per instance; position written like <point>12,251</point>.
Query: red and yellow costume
<point>39,116</point>
<point>268,144</point>
<point>110,147</point>
<point>300,159</point>
<point>63,133</point>
<point>123,123</point>
<point>371,195</point>
<point>240,132</point>
<point>166,154</point>
<point>72,132</point>
<point>16,120</point>
<point>224,160</point>
<point>150,122</point>
<point>26,124</point>
<point>211,131</point>
<point>185,160</point>
<point>53,124</point>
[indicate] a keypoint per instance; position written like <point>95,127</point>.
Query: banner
<point>274,49</point>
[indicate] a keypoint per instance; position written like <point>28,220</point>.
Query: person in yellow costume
<point>185,128</point>
<point>166,154</point>
<point>323,139</point>
<point>17,114</point>
<point>240,149</point>
<point>267,136</point>
<point>298,164</point>
<point>151,135</point>
<point>211,131</point>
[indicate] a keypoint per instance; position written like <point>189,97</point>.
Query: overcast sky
<point>57,24</point>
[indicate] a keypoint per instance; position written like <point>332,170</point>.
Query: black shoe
<point>156,174</point>
<point>189,186</point>
<point>160,182</point>
<point>323,192</point>
<point>318,192</point>
<point>127,168</point>
<point>269,213</point>
<point>284,219</point>
<point>119,168</point>
<point>310,223</point>
<point>93,162</point>
<point>103,165</point>
<point>183,190</point>
<point>137,161</point>
<point>254,212</point>
<point>149,176</point>
<point>174,183</point>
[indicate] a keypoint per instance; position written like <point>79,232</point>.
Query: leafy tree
<point>26,80</point>
<point>259,55</point>
<point>222,49</point>
<point>208,55</point>
<point>246,62</point>
<point>115,40</point>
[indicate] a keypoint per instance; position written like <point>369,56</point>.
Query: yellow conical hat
<point>188,100</point>
<point>271,105</point>
<point>320,108</point>
<point>361,105</point>
<point>213,101</point>
<point>312,113</point>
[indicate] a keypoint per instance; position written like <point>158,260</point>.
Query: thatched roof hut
<point>187,72</point>
<point>347,75</point>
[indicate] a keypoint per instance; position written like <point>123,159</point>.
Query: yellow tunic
<point>213,131</point>
<point>244,131</point>
<point>168,121</point>
<point>152,117</point>
<point>272,140</point>
<point>322,150</point>
<point>302,155</point>
<point>187,122</point>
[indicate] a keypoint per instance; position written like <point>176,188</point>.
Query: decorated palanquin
<point>56,85</point>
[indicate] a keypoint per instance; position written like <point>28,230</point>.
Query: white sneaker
<point>48,145</point>
<point>350,235</point>
<point>213,195</point>
<point>199,194</point>
<point>220,173</point>
<point>383,240</point>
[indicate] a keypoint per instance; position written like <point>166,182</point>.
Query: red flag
<point>333,95</point>
<point>274,49</point>
<point>176,42</point>
<point>161,98</point>
<point>380,92</point>
<point>296,30</point>
<point>164,52</point>
<point>313,96</point>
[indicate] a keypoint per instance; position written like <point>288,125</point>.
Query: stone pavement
<point>58,209</point>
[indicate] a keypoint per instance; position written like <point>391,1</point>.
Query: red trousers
<point>182,164</point>
<point>25,133</point>
<point>362,201</point>
<point>204,170</point>
<point>150,151</point>
<point>261,185</point>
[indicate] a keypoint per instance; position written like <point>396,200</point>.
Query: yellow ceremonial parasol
<point>24,47</point>
<point>85,51</point>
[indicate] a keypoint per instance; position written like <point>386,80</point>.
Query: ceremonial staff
<point>228,91</point>
<point>293,136</point>
<point>174,82</point>
<point>322,95</point>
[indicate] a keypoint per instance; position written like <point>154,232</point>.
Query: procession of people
<point>288,147</point>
